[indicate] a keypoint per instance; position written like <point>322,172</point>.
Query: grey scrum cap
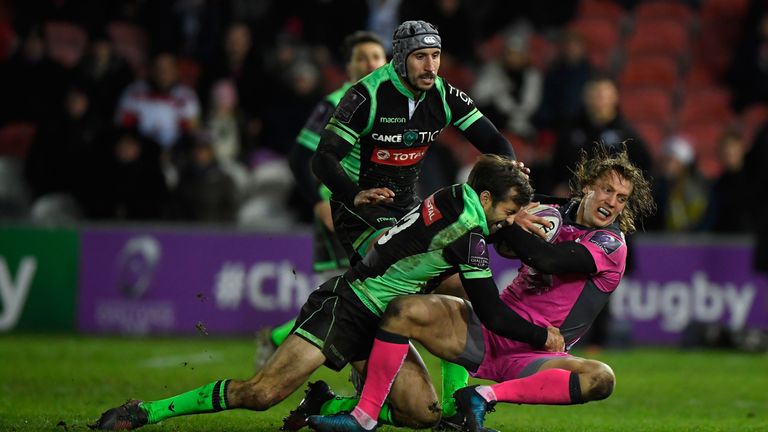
<point>409,37</point>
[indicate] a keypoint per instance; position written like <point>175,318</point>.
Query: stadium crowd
<point>186,110</point>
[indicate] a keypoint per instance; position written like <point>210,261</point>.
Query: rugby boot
<point>473,407</point>
<point>452,423</point>
<point>335,423</point>
<point>125,417</point>
<point>316,394</point>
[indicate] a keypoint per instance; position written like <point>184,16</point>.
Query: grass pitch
<point>61,383</point>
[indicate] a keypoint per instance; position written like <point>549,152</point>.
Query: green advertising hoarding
<point>38,278</point>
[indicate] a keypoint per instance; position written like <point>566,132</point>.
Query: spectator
<point>206,192</point>
<point>508,92</point>
<point>600,120</point>
<point>680,192</point>
<point>130,182</point>
<point>32,85</point>
<point>60,158</point>
<point>226,125</point>
<point>731,190</point>
<point>748,74</point>
<point>754,166</point>
<point>564,83</point>
<point>106,73</point>
<point>161,108</point>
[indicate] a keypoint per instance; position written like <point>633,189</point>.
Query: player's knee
<point>601,383</point>
<point>399,314</point>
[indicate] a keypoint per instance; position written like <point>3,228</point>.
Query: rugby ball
<point>551,228</point>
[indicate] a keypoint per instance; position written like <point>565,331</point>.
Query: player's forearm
<point>566,257</point>
<point>498,317</point>
<point>326,164</point>
<point>484,135</point>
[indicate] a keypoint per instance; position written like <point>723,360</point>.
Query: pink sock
<point>387,356</point>
<point>550,386</point>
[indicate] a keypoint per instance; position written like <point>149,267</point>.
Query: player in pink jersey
<point>571,283</point>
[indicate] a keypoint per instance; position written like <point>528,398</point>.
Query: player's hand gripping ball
<point>551,229</point>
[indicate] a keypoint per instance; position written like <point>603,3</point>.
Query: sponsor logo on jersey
<point>392,119</point>
<point>408,137</point>
<point>429,211</point>
<point>478,251</point>
<point>398,157</point>
<point>605,241</point>
<point>460,94</point>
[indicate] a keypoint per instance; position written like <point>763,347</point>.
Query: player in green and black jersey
<point>445,235</point>
<point>371,151</point>
<point>364,52</point>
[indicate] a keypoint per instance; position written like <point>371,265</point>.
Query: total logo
<point>398,157</point>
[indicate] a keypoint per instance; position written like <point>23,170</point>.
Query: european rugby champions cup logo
<point>478,251</point>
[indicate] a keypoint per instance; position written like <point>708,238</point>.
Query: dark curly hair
<point>601,161</point>
<point>497,174</point>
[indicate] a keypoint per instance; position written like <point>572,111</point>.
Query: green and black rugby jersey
<point>388,140</point>
<point>442,236</point>
<point>309,136</point>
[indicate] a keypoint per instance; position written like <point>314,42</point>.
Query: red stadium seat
<point>646,105</point>
<point>704,138</point>
<point>660,9</point>
<point>650,71</point>
<point>15,139</point>
<point>653,133</point>
<point>706,105</point>
<point>658,36</point>
<point>699,76</point>
<point>600,9</point>
<point>66,42</point>
<point>130,43</point>
<point>601,37</point>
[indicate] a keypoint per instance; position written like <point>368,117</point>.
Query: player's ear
<point>485,198</point>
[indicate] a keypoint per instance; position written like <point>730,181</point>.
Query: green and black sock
<point>206,399</point>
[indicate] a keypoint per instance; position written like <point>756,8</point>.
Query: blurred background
<point>145,188</point>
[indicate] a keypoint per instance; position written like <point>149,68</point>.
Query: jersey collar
<point>395,78</point>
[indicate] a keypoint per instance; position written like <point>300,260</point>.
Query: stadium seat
<point>646,105</point>
<point>457,74</point>
<point>491,48</point>
<point>724,9</point>
<point>15,139</point>
<point>668,10</point>
<point>652,133</point>
<point>658,36</point>
<point>600,9</point>
<point>130,43</point>
<point>66,42</point>
<point>704,137</point>
<point>650,71</point>
<point>707,105</point>
<point>601,37</point>
<point>699,76</point>
<point>333,77</point>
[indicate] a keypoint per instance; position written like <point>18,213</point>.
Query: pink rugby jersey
<point>571,301</point>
